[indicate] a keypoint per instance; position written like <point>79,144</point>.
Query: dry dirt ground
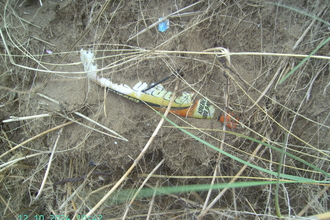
<point>34,82</point>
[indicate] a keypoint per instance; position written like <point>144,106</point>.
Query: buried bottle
<point>154,96</point>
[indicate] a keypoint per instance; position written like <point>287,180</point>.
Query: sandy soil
<point>65,27</point>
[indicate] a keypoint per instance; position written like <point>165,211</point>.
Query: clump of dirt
<point>42,76</point>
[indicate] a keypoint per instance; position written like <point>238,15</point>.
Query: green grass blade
<point>126,195</point>
<point>300,11</point>
<point>303,61</point>
<point>290,177</point>
<point>315,50</point>
<point>277,204</point>
<point>286,153</point>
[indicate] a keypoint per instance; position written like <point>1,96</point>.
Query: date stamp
<point>59,217</point>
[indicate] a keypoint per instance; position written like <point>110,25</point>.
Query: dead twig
<point>144,150</point>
